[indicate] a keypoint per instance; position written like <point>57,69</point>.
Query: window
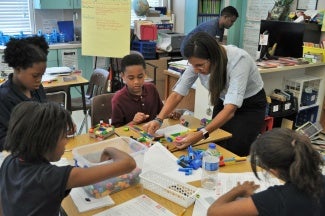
<point>15,17</point>
<point>152,3</point>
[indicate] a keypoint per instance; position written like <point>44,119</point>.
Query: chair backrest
<point>101,108</point>
<point>59,97</point>
<point>98,83</point>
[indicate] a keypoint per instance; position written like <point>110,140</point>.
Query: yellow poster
<point>323,24</point>
<point>105,27</point>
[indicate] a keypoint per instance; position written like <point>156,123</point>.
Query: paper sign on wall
<point>106,27</point>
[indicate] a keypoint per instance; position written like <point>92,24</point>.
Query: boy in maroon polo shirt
<point>137,101</point>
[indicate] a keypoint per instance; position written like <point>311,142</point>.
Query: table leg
<point>83,96</point>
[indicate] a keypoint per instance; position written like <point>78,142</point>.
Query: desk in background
<point>170,80</point>
<point>215,136</point>
<point>80,81</point>
<point>134,191</point>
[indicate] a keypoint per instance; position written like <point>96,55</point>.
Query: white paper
<point>159,158</point>
<point>57,70</point>
<point>139,206</point>
<point>48,77</point>
<point>226,181</point>
<point>84,202</point>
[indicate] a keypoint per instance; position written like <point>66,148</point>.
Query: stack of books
<point>178,66</point>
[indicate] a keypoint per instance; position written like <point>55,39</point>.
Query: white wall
<point>178,8</point>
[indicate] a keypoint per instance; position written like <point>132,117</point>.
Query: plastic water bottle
<point>210,167</point>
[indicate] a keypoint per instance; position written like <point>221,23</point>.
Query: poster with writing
<point>106,27</point>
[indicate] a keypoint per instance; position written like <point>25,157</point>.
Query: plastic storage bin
<point>314,50</point>
<point>89,155</point>
<point>304,88</point>
<point>306,115</point>
<point>148,49</point>
<point>171,189</point>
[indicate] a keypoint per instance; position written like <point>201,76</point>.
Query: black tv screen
<point>290,36</point>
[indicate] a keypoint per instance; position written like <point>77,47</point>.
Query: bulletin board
<point>105,27</point>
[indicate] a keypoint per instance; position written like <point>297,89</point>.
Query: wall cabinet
<point>57,4</point>
<point>52,58</point>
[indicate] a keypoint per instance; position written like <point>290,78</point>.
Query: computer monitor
<point>290,36</point>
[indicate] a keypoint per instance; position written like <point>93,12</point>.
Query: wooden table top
<point>59,82</point>
<point>137,190</point>
<point>216,136</point>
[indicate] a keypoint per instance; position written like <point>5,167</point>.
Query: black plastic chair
<point>97,86</point>
<point>101,108</point>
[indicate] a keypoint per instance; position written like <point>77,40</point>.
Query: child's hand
<point>105,155</point>
<point>247,188</point>
<point>140,117</point>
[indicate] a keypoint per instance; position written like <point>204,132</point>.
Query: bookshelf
<point>207,10</point>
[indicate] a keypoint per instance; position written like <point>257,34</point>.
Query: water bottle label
<point>211,166</point>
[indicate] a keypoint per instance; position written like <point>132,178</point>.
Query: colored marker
<point>178,134</point>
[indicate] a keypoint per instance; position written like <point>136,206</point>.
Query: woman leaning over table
<point>235,88</point>
<point>27,56</point>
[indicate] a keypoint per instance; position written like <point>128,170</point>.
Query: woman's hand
<point>188,139</point>
<point>139,117</point>
<point>151,127</point>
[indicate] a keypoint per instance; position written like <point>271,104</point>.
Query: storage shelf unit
<point>207,10</point>
<point>306,89</point>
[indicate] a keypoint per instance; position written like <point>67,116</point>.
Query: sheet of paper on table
<point>153,161</point>
<point>227,181</point>
<point>84,202</point>
<point>139,206</point>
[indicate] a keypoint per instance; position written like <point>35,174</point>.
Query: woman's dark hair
<point>202,45</point>
<point>25,52</point>
<point>35,129</point>
<point>132,59</point>
<point>292,155</point>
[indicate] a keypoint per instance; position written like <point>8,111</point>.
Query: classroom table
<point>137,190</point>
<point>79,81</point>
<point>193,123</point>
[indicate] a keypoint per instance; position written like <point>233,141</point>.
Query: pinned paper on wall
<point>106,28</point>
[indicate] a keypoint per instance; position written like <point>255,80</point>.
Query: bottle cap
<point>212,145</point>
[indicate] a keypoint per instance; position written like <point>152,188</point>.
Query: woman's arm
<point>172,101</point>
<point>122,163</point>
<point>220,119</point>
<point>235,202</point>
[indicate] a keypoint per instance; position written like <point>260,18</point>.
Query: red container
<point>148,32</point>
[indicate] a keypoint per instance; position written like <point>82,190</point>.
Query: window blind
<point>15,17</point>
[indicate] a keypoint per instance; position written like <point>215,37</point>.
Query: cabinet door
<point>52,58</point>
<point>51,4</point>
<point>76,4</point>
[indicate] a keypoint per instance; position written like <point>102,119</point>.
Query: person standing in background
<point>215,27</point>
<point>27,57</point>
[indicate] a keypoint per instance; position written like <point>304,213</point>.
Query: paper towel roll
<point>166,47</point>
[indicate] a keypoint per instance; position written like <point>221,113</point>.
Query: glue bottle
<point>210,167</point>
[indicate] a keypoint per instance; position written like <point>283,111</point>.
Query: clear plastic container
<point>210,167</point>
<point>89,155</point>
